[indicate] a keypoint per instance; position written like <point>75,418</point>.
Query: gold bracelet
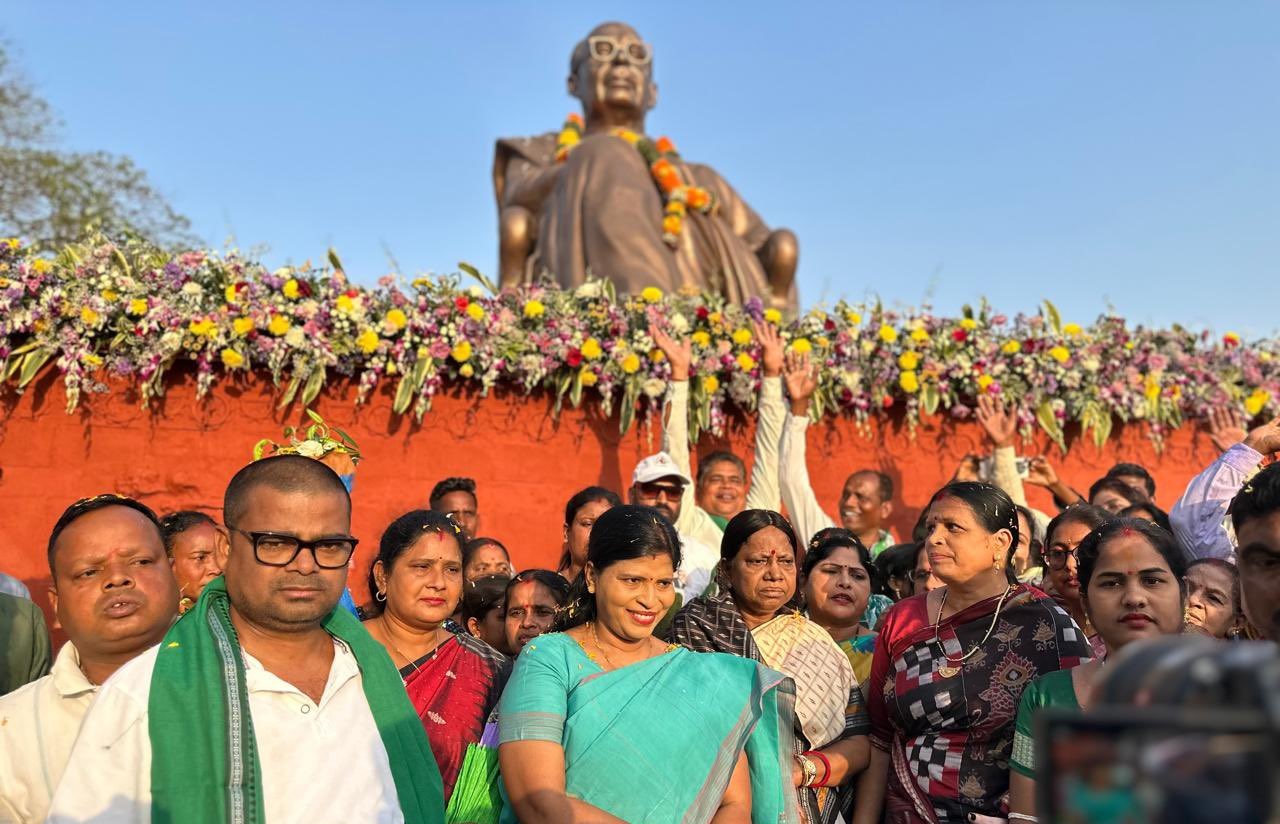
<point>808,769</point>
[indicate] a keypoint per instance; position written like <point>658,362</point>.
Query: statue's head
<point>612,69</point>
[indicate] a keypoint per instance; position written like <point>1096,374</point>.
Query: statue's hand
<point>679,353</point>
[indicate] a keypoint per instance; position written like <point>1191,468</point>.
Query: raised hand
<point>1041,473</point>
<point>801,378</point>
<point>770,348</point>
<point>999,422</point>
<point>1226,427</point>
<point>679,353</point>
<point>1266,438</point>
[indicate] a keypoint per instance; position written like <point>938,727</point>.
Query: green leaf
<point>289,393</point>
<point>1051,313</point>
<point>313,416</point>
<point>628,414</point>
<point>929,398</point>
<point>404,394</point>
<point>1049,423</point>
<point>31,364</point>
<point>475,273</point>
<point>575,390</point>
<point>334,261</point>
<point>260,448</point>
<point>314,384</point>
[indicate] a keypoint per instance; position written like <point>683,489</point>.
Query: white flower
<point>295,337</point>
<point>1091,364</point>
<point>171,340</point>
<point>475,291</point>
<point>191,288</point>
<point>655,387</point>
<point>590,289</point>
<point>311,449</point>
<point>680,323</point>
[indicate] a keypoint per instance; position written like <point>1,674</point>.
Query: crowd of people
<point>696,655</point>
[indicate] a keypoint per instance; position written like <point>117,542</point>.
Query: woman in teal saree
<point>602,722</point>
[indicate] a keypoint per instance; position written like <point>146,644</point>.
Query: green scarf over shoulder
<point>204,758</point>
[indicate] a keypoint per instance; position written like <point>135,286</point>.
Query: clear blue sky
<point>1098,152</point>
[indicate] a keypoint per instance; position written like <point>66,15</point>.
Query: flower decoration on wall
<point>128,311</point>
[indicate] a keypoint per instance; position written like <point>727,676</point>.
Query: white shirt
<point>320,762</point>
<point>697,566</point>
<point>38,725</point>
<point>694,521</point>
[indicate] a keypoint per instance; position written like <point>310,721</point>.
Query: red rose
<point>829,325</point>
<point>702,313</point>
<point>351,293</point>
<point>887,403</point>
<point>574,358</point>
<point>304,289</point>
<point>960,335</point>
<point>461,302</point>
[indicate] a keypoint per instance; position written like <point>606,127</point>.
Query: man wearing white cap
<point>660,483</point>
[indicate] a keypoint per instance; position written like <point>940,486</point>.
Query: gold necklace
<point>435,635</point>
<point>950,668</point>
<point>595,639</point>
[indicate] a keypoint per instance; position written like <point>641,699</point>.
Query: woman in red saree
<point>453,679</point>
<point>950,666</point>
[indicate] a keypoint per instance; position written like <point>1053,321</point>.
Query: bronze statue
<point>599,209</point>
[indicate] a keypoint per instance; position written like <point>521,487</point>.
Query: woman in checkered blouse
<point>950,666</point>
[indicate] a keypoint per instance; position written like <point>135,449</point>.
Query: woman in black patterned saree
<point>755,616</point>
<point>950,666</point>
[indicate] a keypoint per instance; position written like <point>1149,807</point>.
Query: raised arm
<point>797,493</point>
<point>1198,517</point>
<point>770,414</point>
<point>1001,425</point>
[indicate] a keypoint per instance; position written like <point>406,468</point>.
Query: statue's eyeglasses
<point>605,49</point>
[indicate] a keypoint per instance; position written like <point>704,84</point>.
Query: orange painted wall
<point>181,454</point>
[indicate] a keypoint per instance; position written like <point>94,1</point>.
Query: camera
<point>1182,730</point>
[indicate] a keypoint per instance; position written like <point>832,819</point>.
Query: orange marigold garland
<point>678,196</point>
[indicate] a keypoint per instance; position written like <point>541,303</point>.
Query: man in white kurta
<point>321,761</point>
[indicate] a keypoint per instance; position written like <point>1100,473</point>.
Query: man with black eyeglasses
<point>238,714</point>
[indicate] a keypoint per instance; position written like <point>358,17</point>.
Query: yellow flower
<point>396,319</point>
<point>345,304</point>
<point>1060,353</point>
<point>13,242</point>
<point>242,326</point>
<point>368,341</point>
<point>534,309</point>
<point>1151,387</point>
<point>232,359</point>
<point>651,294</point>
<point>710,384</point>
<point>968,324</point>
<point>591,349</point>
<point>745,362</point>
<point>587,377</point>
<point>822,341</point>
<point>278,325</point>
<point>888,334</point>
<point>42,266</point>
<point>701,338</point>
<point>109,296</point>
<point>742,336</point>
<point>715,317</point>
<point>909,382</point>
<point>290,288</point>
<point>138,307</point>
<point>4,282</point>
<point>773,316</point>
<point>657,355</point>
<point>984,381</point>
<point>631,364</point>
<point>466,370</point>
<point>801,346</point>
<point>1129,344</point>
<point>919,334</point>
<point>92,360</point>
<point>628,135</point>
<point>475,311</point>
<point>909,360</point>
<point>1256,402</point>
<point>230,293</point>
<point>853,317</point>
<point>1072,329</point>
<point>88,316</point>
<point>461,351</point>
<point>203,328</point>
<point>1011,347</point>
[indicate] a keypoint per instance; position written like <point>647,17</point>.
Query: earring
<point>380,596</point>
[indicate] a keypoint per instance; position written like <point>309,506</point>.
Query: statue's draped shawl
<point>604,218</point>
